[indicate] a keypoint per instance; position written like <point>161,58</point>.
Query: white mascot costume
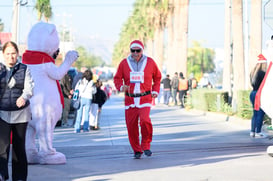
<point>269,83</point>
<point>46,103</point>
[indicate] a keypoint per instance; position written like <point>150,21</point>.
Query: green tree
<point>200,60</point>
<point>44,9</point>
<point>87,59</point>
<point>148,17</point>
<point>1,25</point>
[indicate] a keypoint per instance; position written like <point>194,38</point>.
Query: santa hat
<point>261,59</point>
<point>43,37</point>
<point>137,43</point>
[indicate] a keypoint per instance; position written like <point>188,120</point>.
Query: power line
<point>116,4</point>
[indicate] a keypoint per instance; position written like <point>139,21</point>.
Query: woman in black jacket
<point>256,78</point>
<point>98,100</point>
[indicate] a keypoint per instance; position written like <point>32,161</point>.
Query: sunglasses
<point>135,50</point>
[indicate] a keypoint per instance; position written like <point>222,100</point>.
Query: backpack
<point>183,84</point>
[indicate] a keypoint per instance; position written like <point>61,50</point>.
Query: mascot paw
<point>33,157</point>
<point>270,151</point>
<point>71,56</point>
<point>53,159</point>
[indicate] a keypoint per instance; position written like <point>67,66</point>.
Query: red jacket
<point>152,78</point>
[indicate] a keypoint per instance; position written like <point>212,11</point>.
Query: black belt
<point>138,95</point>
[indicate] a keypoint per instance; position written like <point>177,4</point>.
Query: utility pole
<point>246,52</point>
<point>227,71</point>
<point>15,19</point>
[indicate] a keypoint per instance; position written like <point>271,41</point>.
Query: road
<point>187,145</point>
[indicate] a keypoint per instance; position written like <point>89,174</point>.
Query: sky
<point>97,23</point>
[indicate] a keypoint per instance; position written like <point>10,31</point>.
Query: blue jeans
<point>167,95</point>
<point>174,95</point>
<point>86,105</point>
<point>258,116</point>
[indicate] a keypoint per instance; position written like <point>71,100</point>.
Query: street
<point>187,145</point>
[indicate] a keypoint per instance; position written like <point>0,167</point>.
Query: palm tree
<point>44,9</point>
<point>228,46</point>
<point>147,18</point>
<point>171,67</point>
<point>181,35</point>
<point>255,38</point>
<point>238,51</point>
<point>160,9</point>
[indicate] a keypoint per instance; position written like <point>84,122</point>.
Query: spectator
<point>78,77</point>
<point>166,89</point>
<point>183,86</point>
<point>108,91</point>
<point>174,86</point>
<point>86,91</point>
<point>16,89</point>
<point>256,78</point>
<point>66,85</point>
<point>98,100</point>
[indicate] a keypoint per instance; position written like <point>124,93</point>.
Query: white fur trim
<point>262,61</point>
<point>136,45</point>
<point>139,106</point>
<point>154,92</point>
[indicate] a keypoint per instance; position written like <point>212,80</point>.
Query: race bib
<point>136,77</point>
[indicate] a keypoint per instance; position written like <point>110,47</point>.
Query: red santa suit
<point>143,81</point>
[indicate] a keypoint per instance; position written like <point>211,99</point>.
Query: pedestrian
<point>86,91</point>
<point>77,77</point>
<point>98,100</point>
<point>16,85</point>
<point>139,77</point>
<point>166,89</point>
<point>256,78</point>
<point>66,86</point>
<point>174,86</point>
<point>192,82</point>
<point>108,91</point>
<point>183,86</point>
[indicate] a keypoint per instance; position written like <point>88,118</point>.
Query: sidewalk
<point>187,145</point>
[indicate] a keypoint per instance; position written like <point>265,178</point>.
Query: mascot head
<point>43,37</point>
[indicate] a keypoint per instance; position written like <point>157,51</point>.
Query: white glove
<point>71,56</point>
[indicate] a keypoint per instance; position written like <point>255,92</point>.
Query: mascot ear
<point>43,37</point>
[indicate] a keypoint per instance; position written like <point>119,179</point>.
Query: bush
<point>245,109</point>
<point>217,101</point>
<point>207,100</point>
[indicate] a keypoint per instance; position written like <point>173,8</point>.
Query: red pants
<point>133,117</point>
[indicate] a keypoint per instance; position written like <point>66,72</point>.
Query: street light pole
<point>246,42</point>
<point>15,13</point>
<point>15,19</point>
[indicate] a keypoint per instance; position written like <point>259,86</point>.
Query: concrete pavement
<point>187,145</point>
